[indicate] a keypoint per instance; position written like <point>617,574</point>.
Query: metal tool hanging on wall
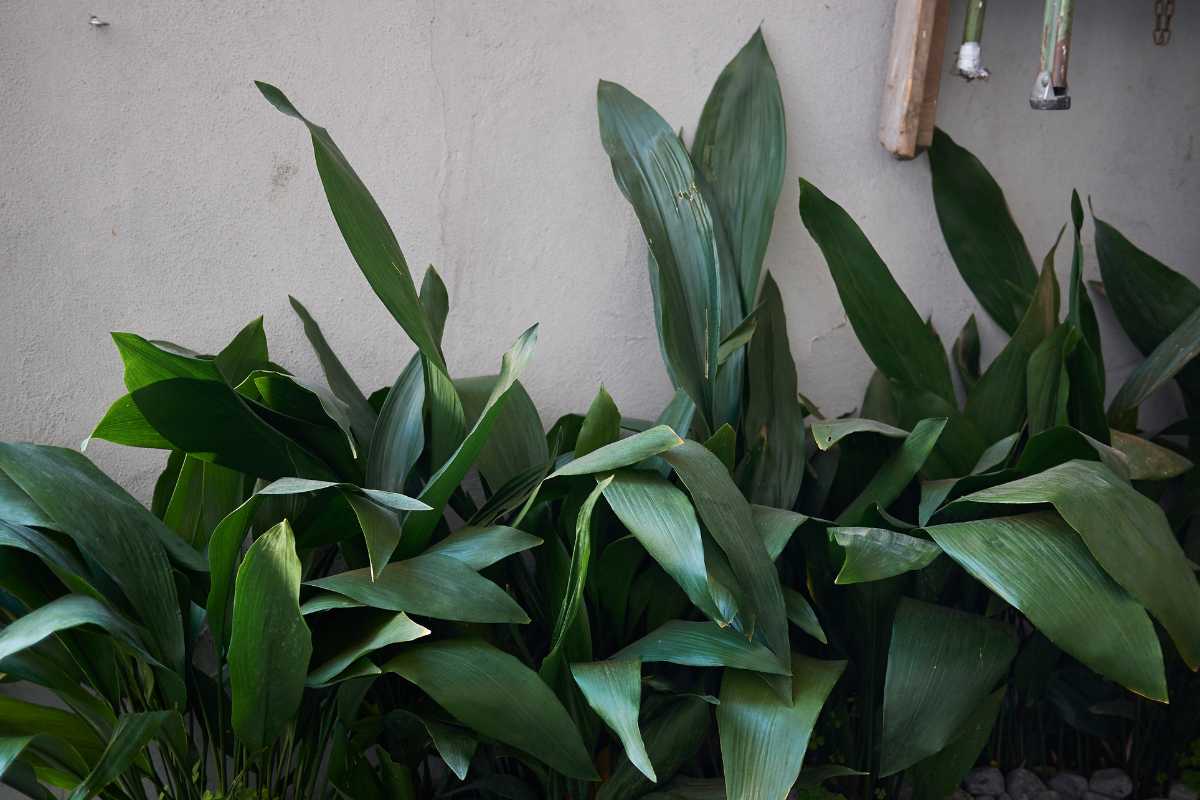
<point>1050,86</point>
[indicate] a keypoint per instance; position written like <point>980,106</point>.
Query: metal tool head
<point>1047,97</point>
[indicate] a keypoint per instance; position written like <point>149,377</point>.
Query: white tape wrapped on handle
<point>969,58</point>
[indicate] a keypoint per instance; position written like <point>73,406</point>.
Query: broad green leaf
<point>873,554</point>
<point>68,739</point>
<point>124,423</point>
<point>224,547</point>
<point>18,508</point>
<point>997,403</point>
<point>581,558</point>
<point>1165,362</point>
<point>495,694</point>
<point>801,614</point>
<point>1126,532</point>
<point>480,547</point>
<point>730,521</point>
<point>828,432</point>
<point>738,338</point>
<point>204,493</point>
<point>517,443</point>
<point>1048,379</point>
<point>703,644</point>
<point>380,527</point>
<point>129,739</point>
<point>1039,565</point>
<point>942,664</point>
<point>431,585</point>
<point>269,645</point>
<point>311,403</point>
<point>741,148</point>
<point>936,777</point>
<point>1148,461</point>
<point>979,230</point>
<point>1150,299</point>
<point>109,527</point>
<point>447,417</point>
<point>776,526</point>
<point>601,425</point>
<point>419,526</point>
<point>763,737</point>
<point>625,453</point>
<point>661,517</point>
<point>887,325</point>
<point>614,691</point>
<point>655,174</point>
<point>339,645</point>
<point>399,434</point>
<point>897,472</point>
<point>672,737</point>
<point>67,612</point>
<point>366,232</point>
<point>187,400</point>
<point>246,353</point>
<point>774,424</point>
<point>69,569</point>
<point>723,445</point>
<point>435,302</point>
<point>362,416</point>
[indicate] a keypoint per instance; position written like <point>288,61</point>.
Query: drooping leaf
<point>133,732</point>
<point>581,557</point>
<point>74,742</point>
<point>493,693</point>
<point>888,327</point>
<point>828,432</point>
<point>340,645</point>
<point>1126,532</point>
<point>801,614</point>
<point>730,521</point>
<point>655,174</point>
<point>672,737</point>
<point>67,612</point>
<point>774,423</point>
<point>269,643</point>
<point>480,547</point>
<point>124,539</point>
<point>775,526</point>
<point>613,689</point>
<point>873,554</point>
<point>431,585</point>
<point>740,148</point>
<point>1039,565</point>
<point>187,400</point>
<point>366,232</point>
<point>625,453</point>
<point>764,737</point>
<point>1165,362</point>
<point>980,232</point>
<point>662,518</point>
<point>897,472</point>
<point>941,665</point>
<point>1148,461</point>
<point>702,644</point>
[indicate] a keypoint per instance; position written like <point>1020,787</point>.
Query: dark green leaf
<point>938,776</point>
<point>703,644</point>
<point>479,548</point>
<point>340,645</point>
<point>490,691</point>
<point>979,230</point>
<point>129,739</point>
<point>517,443</point>
<point>601,425</point>
<point>966,354</point>
<point>64,613</point>
<point>614,691</point>
<point>1165,362</point>
<point>896,472</point>
<point>828,432</point>
<point>399,434</point>
<point>246,353</point>
<point>873,554</point>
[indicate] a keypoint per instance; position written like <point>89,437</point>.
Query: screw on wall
<point>96,22</point>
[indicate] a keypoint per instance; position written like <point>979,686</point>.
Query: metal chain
<point>1164,11</point>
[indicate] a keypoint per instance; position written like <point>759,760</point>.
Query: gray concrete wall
<point>145,185</point>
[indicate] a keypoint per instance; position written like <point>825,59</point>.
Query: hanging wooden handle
<point>914,72</point>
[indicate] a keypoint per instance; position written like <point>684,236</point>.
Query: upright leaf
<point>366,232</point>
<point>897,472</point>
<point>741,148</point>
<point>887,326</point>
<point>494,693</point>
<point>246,353</point>
<point>979,230</point>
<point>601,425</point>
<point>655,174</point>
<point>399,434</point>
<point>269,643</point>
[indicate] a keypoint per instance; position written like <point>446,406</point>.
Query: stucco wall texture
<point>146,186</point>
